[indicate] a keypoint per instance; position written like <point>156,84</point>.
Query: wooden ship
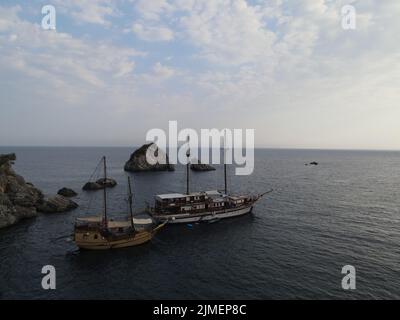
<point>101,233</point>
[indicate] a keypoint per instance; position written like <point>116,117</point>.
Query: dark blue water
<point>294,245</point>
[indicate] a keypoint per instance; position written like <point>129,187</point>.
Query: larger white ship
<point>201,206</point>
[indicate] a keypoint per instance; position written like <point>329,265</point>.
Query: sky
<point>113,70</point>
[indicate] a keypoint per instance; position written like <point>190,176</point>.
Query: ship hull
<point>93,240</point>
<point>104,244</point>
<point>204,216</point>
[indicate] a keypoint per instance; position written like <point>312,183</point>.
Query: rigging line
<point>86,208</point>
<point>95,170</point>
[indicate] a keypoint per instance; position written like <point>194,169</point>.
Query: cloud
<point>149,33</point>
<point>88,11</point>
<point>285,68</point>
<point>153,9</point>
<point>58,64</point>
<point>163,72</point>
<point>228,32</point>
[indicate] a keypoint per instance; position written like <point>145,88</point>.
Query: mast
<point>187,167</point>
<point>105,191</point>
<point>130,202</point>
<point>225,180</point>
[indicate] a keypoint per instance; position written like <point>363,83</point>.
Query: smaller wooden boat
<point>100,233</point>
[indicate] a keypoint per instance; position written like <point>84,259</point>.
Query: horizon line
<point>257,147</point>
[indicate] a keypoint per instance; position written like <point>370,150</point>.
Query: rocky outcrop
<point>18,199</point>
<point>7,158</point>
<point>66,192</point>
<point>100,184</point>
<point>107,183</point>
<point>91,186</point>
<point>138,160</point>
<point>201,167</point>
<point>57,204</point>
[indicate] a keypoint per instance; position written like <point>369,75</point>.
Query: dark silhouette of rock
<point>138,160</point>
<point>100,184</point>
<point>314,163</point>
<point>7,158</point>
<point>57,204</point>
<point>107,183</point>
<point>201,167</point>
<point>18,199</point>
<point>92,186</point>
<point>66,192</point>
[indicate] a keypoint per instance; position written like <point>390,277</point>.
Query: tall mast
<point>105,192</point>
<point>225,180</point>
<point>187,167</point>
<point>130,201</point>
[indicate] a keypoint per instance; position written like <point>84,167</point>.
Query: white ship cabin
<point>237,200</point>
<point>195,199</point>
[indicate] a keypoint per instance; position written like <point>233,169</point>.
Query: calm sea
<point>345,211</point>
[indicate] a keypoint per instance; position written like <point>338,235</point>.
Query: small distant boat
<point>100,233</point>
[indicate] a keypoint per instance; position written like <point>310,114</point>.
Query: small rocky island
<point>100,184</point>
<point>201,167</point>
<point>137,162</point>
<point>20,199</point>
<point>66,192</point>
<point>57,204</point>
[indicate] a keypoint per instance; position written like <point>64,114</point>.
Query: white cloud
<point>58,59</point>
<point>88,11</point>
<point>285,68</point>
<point>228,32</point>
<point>153,9</point>
<point>162,71</point>
<point>152,33</point>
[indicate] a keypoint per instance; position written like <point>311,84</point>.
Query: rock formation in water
<point>201,167</point>
<point>66,192</point>
<point>107,183</point>
<point>56,204</point>
<point>138,160</point>
<point>100,184</point>
<point>91,186</point>
<point>20,199</point>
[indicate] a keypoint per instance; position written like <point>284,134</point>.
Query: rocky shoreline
<point>20,199</point>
